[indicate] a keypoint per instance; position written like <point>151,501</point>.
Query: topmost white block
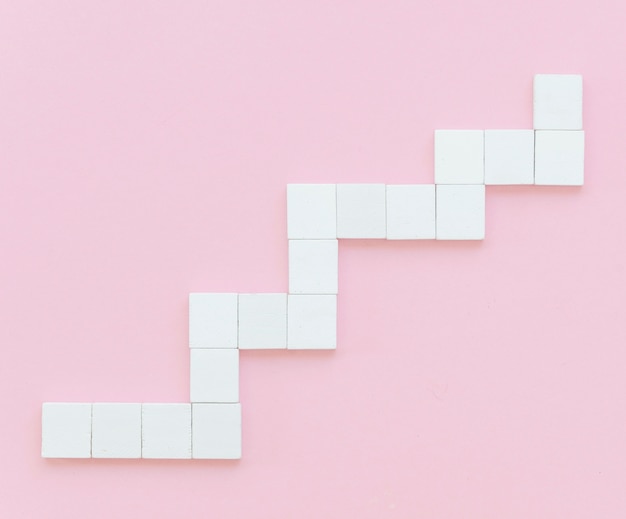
<point>558,102</point>
<point>311,211</point>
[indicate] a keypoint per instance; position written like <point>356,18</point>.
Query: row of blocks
<point>129,430</point>
<point>375,211</point>
<point>226,321</point>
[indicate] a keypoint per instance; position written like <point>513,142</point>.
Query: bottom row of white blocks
<point>161,431</point>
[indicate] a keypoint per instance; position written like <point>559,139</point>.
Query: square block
<point>166,431</point>
<point>558,102</point>
<point>214,375</point>
<point>65,430</point>
<point>509,157</point>
<point>312,322</point>
<point>311,211</point>
<point>212,320</point>
<point>361,211</point>
<point>216,431</point>
<point>459,157</point>
<point>559,158</point>
<point>313,266</point>
<point>411,212</point>
<point>461,212</point>
<point>116,431</point>
<point>262,321</point>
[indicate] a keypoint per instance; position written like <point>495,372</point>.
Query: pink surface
<point>144,152</point>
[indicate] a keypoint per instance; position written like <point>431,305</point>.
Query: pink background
<point>144,152</point>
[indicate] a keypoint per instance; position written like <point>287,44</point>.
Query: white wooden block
<point>212,320</point>
<point>559,158</point>
<point>216,431</point>
<point>411,212</point>
<point>262,321</point>
<point>65,430</point>
<point>166,431</point>
<point>459,157</point>
<point>116,430</point>
<point>558,102</point>
<point>311,211</point>
<point>509,157</point>
<point>460,212</point>
<point>361,211</point>
<point>313,266</point>
<point>312,322</point>
<point>214,375</point>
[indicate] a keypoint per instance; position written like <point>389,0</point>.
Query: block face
<point>312,322</point>
<point>411,212</point>
<point>214,375</point>
<point>459,157</point>
<point>166,431</point>
<point>509,157</point>
<point>461,212</point>
<point>262,321</point>
<point>361,211</point>
<point>313,266</point>
<point>116,430</point>
<point>65,430</point>
<point>216,431</point>
<point>558,102</point>
<point>311,211</point>
<point>559,158</point>
<point>212,320</point>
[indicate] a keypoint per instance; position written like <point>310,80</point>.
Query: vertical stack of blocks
<point>221,324</point>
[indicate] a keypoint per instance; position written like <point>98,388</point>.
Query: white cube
<point>166,431</point>
<point>212,320</point>
<point>509,157</point>
<point>216,431</point>
<point>559,158</point>
<point>361,211</point>
<point>312,322</point>
<point>411,212</point>
<point>313,266</point>
<point>461,212</point>
<point>558,102</point>
<point>65,430</point>
<point>262,321</point>
<point>459,157</point>
<point>311,211</point>
<point>214,375</point>
<point>116,430</point>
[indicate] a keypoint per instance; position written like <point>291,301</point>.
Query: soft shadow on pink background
<point>144,152</point>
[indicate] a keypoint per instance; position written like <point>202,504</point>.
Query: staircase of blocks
<point>318,215</point>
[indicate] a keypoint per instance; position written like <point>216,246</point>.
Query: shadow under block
<point>65,430</point>
<point>166,431</point>
<point>212,320</point>
<point>460,212</point>
<point>311,211</point>
<point>558,102</point>
<point>214,375</point>
<point>361,211</point>
<point>116,430</point>
<point>312,322</point>
<point>262,321</point>
<point>216,431</point>
<point>559,157</point>
<point>313,266</point>
<point>509,157</point>
<point>411,212</point>
<point>459,157</point>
